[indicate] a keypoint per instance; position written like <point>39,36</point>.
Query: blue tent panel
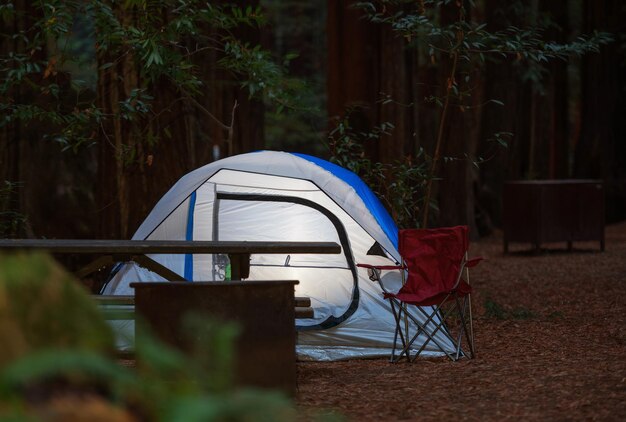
<point>369,198</point>
<point>189,236</point>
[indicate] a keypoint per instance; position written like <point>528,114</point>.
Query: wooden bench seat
<point>117,307</point>
<point>303,307</point>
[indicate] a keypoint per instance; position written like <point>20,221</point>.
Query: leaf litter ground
<point>550,332</point>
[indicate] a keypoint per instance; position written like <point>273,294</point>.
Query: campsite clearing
<point>550,340</point>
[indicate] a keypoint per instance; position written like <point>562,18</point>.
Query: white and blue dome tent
<point>279,196</point>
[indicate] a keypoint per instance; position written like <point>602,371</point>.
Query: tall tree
<point>179,84</point>
<point>367,65</point>
<point>161,125</point>
<point>536,104</point>
<point>601,150</point>
<point>47,190</point>
<point>458,40</point>
<point>17,19</point>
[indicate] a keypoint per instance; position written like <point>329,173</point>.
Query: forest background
<point>105,104</point>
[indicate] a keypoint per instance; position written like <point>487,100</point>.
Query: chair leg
<point>438,327</point>
<point>395,335</point>
<point>471,326</point>
<point>397,314</point>
<point>462,328</point>
<point>471,320</point>
<point>469,335</point>
<point>400,314</point>
<point>421,329</point>
<point>430,335</point>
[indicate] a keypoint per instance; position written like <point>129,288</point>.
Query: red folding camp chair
<point>436,288</point>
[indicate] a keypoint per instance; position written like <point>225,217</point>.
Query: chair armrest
<point>473,262</point>
<point>373,271</point>
<point>380,267</point>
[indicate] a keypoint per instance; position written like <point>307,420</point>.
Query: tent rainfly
<point>279,196</point>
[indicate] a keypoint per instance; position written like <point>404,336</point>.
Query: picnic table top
<point>168,246</point>
<point>137,250</point>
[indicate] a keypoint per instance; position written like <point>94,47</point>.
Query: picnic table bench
<point>123,307</point>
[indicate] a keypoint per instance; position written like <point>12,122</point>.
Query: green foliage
<point>172,386</point>
<point>167,48</point>
<point>494,310</point>
<point>474,38</point>
<point>213,351</point>
<point>165,386</point>
<point>11,220</point>
<point>296,130</point>
<point>41,306</point>
<point>299,27</point>
<point>347,144</point>
<point>56,349</point>
<point>137,104</point>
<point>75,366</point>
<point>262,74</point>
<point>444,31</point>
<point>241,406</point>
<point>165,41</point>
<point>400,184</point>
<point>472,42</point>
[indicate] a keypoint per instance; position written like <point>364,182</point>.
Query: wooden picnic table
<point>268,313</point>
<point>111,251</point>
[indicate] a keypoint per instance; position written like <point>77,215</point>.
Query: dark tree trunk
<point>462,131</point>
<point>367,63</point>
<point>140,160</point>
<point>10,134</point>
<point>536,113</point>
<point>121,155</point>
<point>548,108</point>
<point>352,67</point>
<point>501,84</point>
<point>395,81</point>
<point>51,187</point>
<point>601,150</point>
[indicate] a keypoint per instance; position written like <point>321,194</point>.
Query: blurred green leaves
<point>41,306</point>
<point>56,360</point>
<point>165,40</point>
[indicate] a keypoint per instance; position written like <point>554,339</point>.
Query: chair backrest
<point>434,259</point>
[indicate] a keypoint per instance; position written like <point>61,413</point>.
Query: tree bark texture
<point>121,154</point>
<point>601,148</point>
<point>52,188</point>
<point>11,133</point>
<point>366,64</point>
<point>365,60</point>
<point>461,138</point>
<point>369,62</point>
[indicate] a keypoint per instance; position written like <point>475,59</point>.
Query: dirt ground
<point>550,334</point>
